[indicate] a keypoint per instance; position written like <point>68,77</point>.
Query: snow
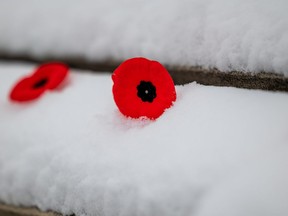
<point>230,35</point>
<point>218,151</point>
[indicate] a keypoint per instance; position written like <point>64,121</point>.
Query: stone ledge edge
<point>180,74</point>
<point>9,210</point>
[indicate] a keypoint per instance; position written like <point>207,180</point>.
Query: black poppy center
<point>146,91</point>
<point>40,83</point>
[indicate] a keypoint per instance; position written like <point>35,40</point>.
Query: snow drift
<point>218,151</point>
<point>230,35</point>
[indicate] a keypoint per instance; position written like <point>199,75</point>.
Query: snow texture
<point>241,35</point>
<point>218,151</point>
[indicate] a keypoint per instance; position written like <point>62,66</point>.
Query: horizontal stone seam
<point>180,74</point>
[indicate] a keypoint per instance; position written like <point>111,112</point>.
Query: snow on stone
<point>218,151</point>
<point>230,35</point>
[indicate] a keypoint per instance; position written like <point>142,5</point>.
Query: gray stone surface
<point>181,75</point>
<point>8,210</point>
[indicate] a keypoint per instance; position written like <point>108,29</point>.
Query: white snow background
<point>243,35</point>
<point>218,151</point>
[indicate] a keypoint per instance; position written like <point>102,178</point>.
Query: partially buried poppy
<point>142,88</point>
<point>46,77</point>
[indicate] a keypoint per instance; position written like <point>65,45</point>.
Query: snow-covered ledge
<point>218,151</point>
<point>230,35</point>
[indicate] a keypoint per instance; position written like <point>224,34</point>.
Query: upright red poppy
<point>46,77</point>
<point>142,88</point>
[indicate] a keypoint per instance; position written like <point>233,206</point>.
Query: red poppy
<point>46,77</point>
<point>142,88</point>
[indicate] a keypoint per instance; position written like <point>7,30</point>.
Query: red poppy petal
<point>22,91</point>
<point>56,72</point>
<point>47,76</point>
<point>127,79</point>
